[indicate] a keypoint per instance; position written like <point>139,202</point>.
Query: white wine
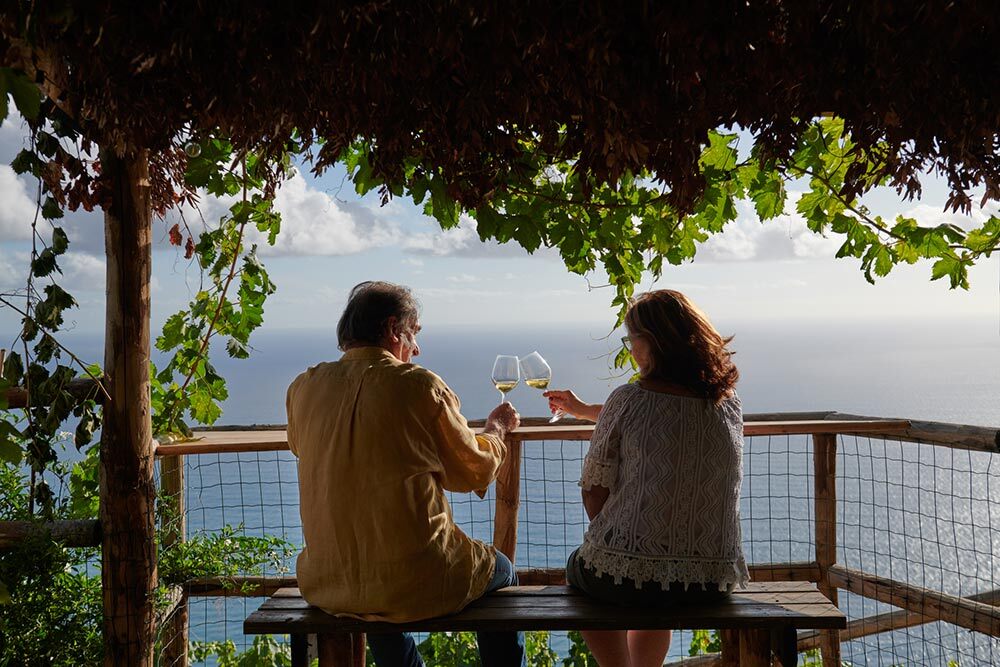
<point>504,386</point>
<point>540,383</point>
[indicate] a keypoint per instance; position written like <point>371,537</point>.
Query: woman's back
<point>674,467</point>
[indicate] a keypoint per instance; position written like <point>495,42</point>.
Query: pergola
<point>455,88</point>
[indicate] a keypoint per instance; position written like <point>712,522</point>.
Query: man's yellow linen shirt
<point>378,442</point>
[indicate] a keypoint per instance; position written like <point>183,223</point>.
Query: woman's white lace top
<point>674,466</point>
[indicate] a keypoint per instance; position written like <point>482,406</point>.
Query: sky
<point>332,239</point>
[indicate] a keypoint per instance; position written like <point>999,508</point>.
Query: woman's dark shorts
<point>651,594</point>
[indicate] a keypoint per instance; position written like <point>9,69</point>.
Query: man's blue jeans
<point>496,649</point>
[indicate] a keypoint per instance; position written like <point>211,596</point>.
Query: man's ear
<point>391,328</point>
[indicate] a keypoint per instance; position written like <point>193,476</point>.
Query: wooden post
<point>128,491</point>
<point>508,499</point>
<point>174,637</point>
<point>825,473</point>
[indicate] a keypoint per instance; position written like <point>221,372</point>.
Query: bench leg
<point>755,648</point>
<point>341,650</point>
<point>300,651</point>
<point>785,644</point>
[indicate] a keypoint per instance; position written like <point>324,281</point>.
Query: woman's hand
<point>570,403</point>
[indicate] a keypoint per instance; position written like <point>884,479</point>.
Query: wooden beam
<point>269,439</point>
<point>935,605</point>
<point>944,434</point>
<point>17,397</point>
<point>128,491</point>
<point>803,571</point>
<point>252,587</point>
<point>82,533</point>
<point>887,622</point>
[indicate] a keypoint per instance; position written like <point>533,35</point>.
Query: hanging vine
<point>189,383</point>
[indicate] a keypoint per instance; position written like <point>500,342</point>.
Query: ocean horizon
<point>929,370</point>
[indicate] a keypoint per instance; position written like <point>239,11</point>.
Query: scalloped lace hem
<point>726,573</point>
<point>596,473</point>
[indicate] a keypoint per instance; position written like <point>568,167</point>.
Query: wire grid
<point>255,493</point>
<point>928,516</point>
<point>916,513</point>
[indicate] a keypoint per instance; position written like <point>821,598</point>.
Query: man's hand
<point>502,420</point>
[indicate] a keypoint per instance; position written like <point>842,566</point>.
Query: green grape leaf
<point>27,96</point>
<point>10,449</point>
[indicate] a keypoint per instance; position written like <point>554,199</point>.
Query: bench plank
<point>763,605</point>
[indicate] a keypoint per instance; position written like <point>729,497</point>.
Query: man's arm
<point>470,462</point>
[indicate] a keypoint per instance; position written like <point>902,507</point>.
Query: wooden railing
<point>917,605</point>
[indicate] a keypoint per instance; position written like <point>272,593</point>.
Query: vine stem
<point>79,362</point>
<point>28,309</point>
<point>218,308</point>
<point>866,219</point>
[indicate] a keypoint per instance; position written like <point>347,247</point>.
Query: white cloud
<point>787,237</point>
<point>463,241</point>
<point>463,278</point>
<point>84,271</point>
<point>314,223</point>
<point>17,210</point>
<point>410,261</point>
<point>931,216</point>
<point>12,272</point>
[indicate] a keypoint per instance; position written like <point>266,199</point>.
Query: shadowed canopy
<point>455,87</point>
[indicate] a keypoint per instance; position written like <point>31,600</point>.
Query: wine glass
<point>505,374</point>
<point>537,373</point>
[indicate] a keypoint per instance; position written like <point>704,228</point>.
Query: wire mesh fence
<point>920,514</point>
<point>927,516</point>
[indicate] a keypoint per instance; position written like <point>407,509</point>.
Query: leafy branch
<point>189,382</point>
<point>89,370</point>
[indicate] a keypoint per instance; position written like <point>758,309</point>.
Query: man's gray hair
<point>369,307</point>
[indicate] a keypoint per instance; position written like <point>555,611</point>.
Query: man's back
<point>378,441</point>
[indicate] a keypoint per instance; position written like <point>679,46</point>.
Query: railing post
<point>825,480</point>
<point>174,527</point>
<point>508,499</point>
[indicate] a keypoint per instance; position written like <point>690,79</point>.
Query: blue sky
<point>332,239</point>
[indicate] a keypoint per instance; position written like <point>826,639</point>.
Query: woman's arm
<point>570,403</point>
<point>594,499</point>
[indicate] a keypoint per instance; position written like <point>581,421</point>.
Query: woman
<point>661,481</point>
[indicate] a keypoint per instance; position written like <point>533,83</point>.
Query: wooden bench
<point>759,623</point>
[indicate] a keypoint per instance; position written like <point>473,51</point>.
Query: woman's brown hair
<point>686,348</point>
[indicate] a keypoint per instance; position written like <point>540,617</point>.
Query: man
<point>378,441</point>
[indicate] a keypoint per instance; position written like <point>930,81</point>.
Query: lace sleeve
<point>600,466</point>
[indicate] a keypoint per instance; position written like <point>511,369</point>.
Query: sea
<point>926,515</point>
